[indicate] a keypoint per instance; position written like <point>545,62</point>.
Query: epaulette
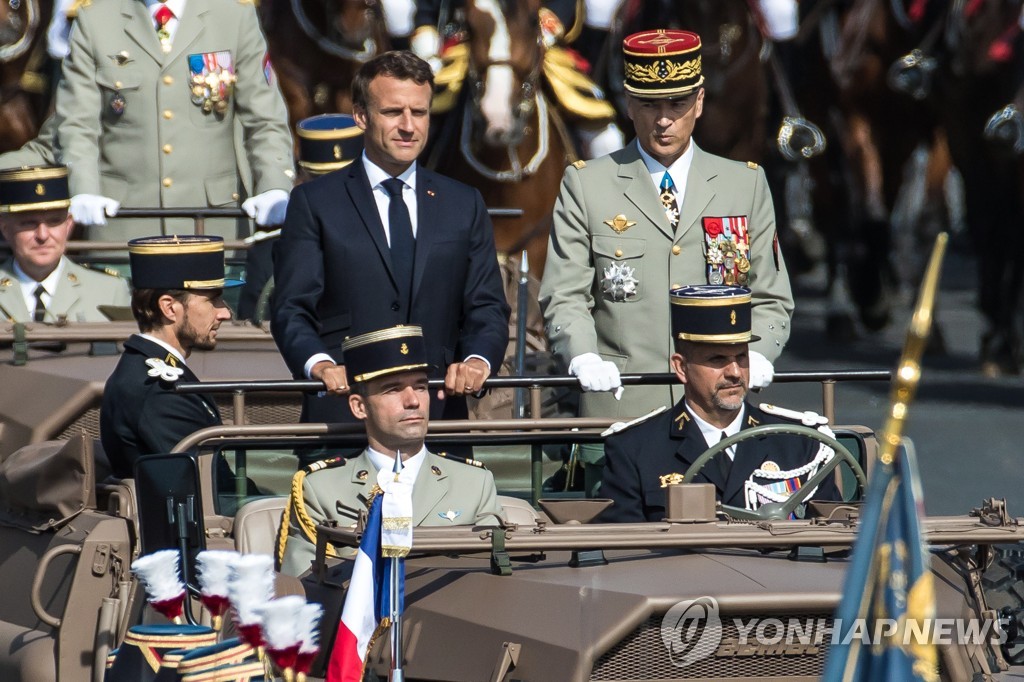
<point>246,2</point>
<point>751,165</point>
<point>106,271</point>
<point>76,6</point>
<point>463,460</point>
<point>329,463</point>
<point>619,427</point>
<point>579,164</point>
<point>808,418</point>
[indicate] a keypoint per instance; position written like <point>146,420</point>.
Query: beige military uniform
<point>78,294</point>
<point>609,212</point>
<point>446,493</point>
<point>133,129</point>
<point>39,151</point>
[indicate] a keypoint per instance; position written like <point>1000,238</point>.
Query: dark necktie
<point>724,462</point>
<point>403,245</point>
<point>40,311</point>
<point>669,200</point>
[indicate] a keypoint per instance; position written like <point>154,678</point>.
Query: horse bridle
<point>527,91</point>
<point>19,47</point>
<point>328,45</point>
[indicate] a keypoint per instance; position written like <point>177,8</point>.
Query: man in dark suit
<point>711,330</point>
<point>384,242</point>
<point>178,304</point>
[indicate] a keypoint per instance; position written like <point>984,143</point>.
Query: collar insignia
<point>450,515</point>
<point>159,368</point>
<point>670,479</point>
<point>619,223</point>
<point>751,421</point>
<point>435,470</point>
<point>362,474</point>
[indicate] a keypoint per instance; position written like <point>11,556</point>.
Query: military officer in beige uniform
<point>659,214</point>
<point>388,370</point>
<point>147,111</point>
<point>38,283</point>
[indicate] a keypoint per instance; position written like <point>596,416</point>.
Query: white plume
<point>159,574</point>
<point>215,571</point>
<point>282,622</point>
<point>251,585</point>
<point>309,628</point>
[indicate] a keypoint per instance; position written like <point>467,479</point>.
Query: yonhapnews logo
<point>691,630</point>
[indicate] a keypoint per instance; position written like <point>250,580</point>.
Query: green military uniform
<point>132,128</point>
<point>39,151</point>
<point>635,333</point>
<point>79,292</point>
<point>445,493</point>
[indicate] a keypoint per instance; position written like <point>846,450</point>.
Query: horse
<point>504,136</point>
<point>25,94</point>
<point>316,46</point>
<point>980,77</point>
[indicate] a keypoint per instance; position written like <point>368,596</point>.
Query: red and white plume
<point>282,629</point>
<point>159,573</point>
<point>214,574</point>
<point>309,634</point>
<point>250,586</point>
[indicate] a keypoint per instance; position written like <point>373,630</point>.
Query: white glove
<point>267,208</point>
<point>596,374</point>
<point>761,370</point>
<point>426,44</point>
<point>781,18</point>
<point>93,209</point>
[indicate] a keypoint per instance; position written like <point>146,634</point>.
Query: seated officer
<point>178,304</point>
<point>390,396</point>
<point>38,283</point>
<point>710,329</point>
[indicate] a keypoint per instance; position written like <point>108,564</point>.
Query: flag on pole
<point>387,537</point>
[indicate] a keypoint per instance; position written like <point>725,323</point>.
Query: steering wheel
<point>781,510</point>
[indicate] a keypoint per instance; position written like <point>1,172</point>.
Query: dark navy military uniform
<point>141,414</point>
<point>670,442</point>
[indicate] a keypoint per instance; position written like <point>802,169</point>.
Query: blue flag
<point>883,628</point>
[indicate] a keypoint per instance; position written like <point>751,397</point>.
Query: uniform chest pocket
<point>118,86</point>
<point>211,84</point>
<point>618,265</point>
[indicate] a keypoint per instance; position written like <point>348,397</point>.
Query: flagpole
<point>397,674</point>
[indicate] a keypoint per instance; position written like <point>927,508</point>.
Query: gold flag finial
<point>909,371</point>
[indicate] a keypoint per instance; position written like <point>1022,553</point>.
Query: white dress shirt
<point>713,434</point>
<point>28,285</point>
<point>679,170</point>
<point>410,467</point>
<point>376,175</point>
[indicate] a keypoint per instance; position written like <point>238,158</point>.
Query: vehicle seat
<point>257,523</point>
<point>517,511</point>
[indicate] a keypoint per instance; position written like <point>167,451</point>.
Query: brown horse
<point>316,46</point>
<point>24,94</point>
<point>504,137</point>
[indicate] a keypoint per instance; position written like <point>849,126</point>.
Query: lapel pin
<point>436,471</point>
<point>450,515</point>
<point>362,474</point>
<point>430,192</point>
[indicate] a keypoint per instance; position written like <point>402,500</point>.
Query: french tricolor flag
<point>367,608</point>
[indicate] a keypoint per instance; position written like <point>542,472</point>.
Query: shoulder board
<point>807,418</point>
<point>579,164</point>
<point>619,427</point>
<point>246,2</point>
<point>751,165</point>
<point>77,6</point>
<point>330,463</point>
<point>462,460</point>
<point>106,271</point>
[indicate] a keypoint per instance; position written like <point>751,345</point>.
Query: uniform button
<point>618,253</point>
<point>168,182</point>
<point>395,307</point>
<point>675,286</point>
<point>118,84</point>
<point>676,250</point>
<point>234,195</point>
<point>168,114</point>
<point>168,80</point>
<point>168,149</point>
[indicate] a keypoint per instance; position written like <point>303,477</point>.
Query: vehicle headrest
<point>45,485</point>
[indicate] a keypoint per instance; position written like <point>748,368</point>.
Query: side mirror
<point>170,514</point>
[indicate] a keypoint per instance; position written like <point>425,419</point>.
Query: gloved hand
<point>761,370</point>
<point>93,209</point>
<point>596,374</point>
<point>426,44</point>
<point>267,208</point>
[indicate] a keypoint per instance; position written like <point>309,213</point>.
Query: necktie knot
<point>163,15</point>
<point>394,187</point>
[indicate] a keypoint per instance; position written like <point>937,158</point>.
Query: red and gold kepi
<point>662,63</point>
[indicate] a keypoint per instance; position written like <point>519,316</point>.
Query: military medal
<point>117,104</point>
<point>619,223</point>
<point>619,281</point>
<point>726,249</point>
<point>211,80</point>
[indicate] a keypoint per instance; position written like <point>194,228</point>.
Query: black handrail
<point>289,386</point>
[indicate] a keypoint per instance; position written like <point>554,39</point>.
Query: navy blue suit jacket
<point>670,442</point>
<point>333,277</point>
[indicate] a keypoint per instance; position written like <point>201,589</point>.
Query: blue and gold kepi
<point>711,313</point>
<point>662,64</point>
<point>388,351</point>
<point>178,262</point>
<point>37,188</point>
<point>328,142</point>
